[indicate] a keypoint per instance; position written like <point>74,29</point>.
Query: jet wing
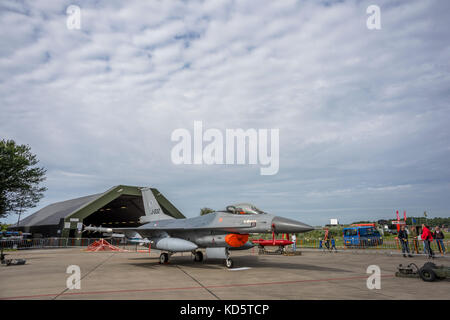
<point>194,224</point>
<point>180,225</point>
<point>181,228</point>
<point>152,227</point>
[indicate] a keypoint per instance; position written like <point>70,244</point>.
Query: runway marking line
<point>191,288</point>
<point>239,269</point>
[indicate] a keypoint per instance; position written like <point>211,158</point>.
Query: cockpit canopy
<point>244,208</point>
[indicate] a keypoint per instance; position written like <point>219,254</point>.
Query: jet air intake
<point>174,244</point>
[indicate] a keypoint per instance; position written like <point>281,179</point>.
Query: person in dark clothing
<point>438,235</point>
<point>333,244</point>
<point>403,238</point>
<point>327,243</point>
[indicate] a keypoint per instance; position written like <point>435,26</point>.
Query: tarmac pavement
<point>138,275</point>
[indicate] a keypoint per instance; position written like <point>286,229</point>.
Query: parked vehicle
<point>362,236</point>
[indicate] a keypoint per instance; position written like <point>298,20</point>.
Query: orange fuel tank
<point>236,240</point>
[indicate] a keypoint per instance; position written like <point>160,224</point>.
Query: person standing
<point>333,244</point>
<point>294,240</point>
<point>414,237</point>
<point>403,237</point>
<point>427,237</point>
<point>326,240</point>
<point>438,235</point>
<point>419,237</point>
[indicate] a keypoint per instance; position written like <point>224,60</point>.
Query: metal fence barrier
<point>41,243</point>
<point>53,243</point>
<point>414,245</point>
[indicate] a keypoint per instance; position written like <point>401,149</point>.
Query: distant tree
<point>360,222</point>
<point>204,211</point>
<point>20,178</point>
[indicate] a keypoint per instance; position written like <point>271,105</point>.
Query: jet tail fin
<point>153,210</point>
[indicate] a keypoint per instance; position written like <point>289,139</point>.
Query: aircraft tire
<point>198,256</point>
<point>229,263</point>
<point>163,258</point>
<point>427,274</point>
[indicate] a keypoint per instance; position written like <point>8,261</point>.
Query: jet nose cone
<point>284,225</point>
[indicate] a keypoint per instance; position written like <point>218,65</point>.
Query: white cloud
<point>358,110</point>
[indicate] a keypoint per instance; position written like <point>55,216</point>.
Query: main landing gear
<point>215,253</point>
<point>198,256</point>
<point>164,258</point>
<point>228,262</point>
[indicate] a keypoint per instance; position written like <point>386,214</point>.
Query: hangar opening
<point>124,211</point>
<point>119,207</point>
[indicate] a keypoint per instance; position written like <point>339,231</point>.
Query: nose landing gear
<point>229,263</point>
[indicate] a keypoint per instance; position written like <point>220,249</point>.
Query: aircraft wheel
<point>229,263</point>
<point>427,274</point>
<point>163,258</point>
<point>198,256</point>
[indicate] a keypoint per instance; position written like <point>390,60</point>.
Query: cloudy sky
<point>363,114</point>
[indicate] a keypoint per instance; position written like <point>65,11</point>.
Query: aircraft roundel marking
<point>220,219</point>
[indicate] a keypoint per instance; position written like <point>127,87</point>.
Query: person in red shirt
<point>427,237</point>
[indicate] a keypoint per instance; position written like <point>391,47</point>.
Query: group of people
<point>427,237</point>
<point>328,241</point>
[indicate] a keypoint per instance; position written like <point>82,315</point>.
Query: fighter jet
<point>217,232</point>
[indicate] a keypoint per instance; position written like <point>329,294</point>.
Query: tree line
<point>432,222</point>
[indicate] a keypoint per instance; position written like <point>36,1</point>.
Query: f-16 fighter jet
<point>217,232</point>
